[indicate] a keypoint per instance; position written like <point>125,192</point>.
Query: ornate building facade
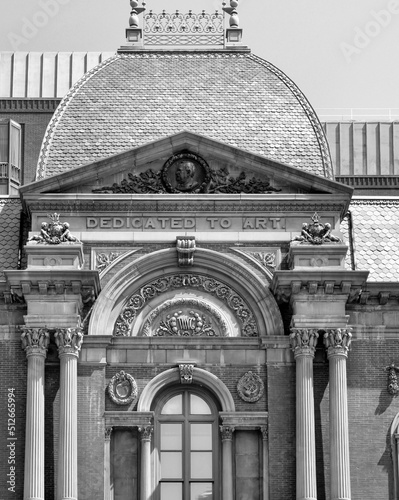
<point>192,307</point>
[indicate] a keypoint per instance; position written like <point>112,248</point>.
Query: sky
<point>343,54</point>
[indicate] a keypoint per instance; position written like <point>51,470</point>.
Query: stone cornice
<point>328,282</point>
<point>67,203</point>
<point>128,418</point>
<point>54,282</point>
<point>244,420</point>
<point>29,105</point>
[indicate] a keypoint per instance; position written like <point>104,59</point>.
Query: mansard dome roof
<point>232,96</point>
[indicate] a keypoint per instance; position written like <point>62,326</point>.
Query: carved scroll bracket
<point>185,250</point>
<point>186,373</point>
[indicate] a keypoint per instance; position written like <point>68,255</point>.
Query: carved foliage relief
<point>187,172</point>
<point>186,318</point>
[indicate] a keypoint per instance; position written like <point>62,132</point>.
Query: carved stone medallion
<point>250,387</point>
<point>122,389</point>
<point>186,173</point>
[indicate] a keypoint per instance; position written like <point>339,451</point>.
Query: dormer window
<point>10,157</point>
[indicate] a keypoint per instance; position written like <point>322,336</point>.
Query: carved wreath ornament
<point>122,389</point>
<point>250,387</point>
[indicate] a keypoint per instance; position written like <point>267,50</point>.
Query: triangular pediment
<point>210,167</point>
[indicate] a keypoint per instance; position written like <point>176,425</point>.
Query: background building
<point>176,341</point>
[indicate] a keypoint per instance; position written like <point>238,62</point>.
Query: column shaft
<point>265,451</point>
<point>67,484</point>
<point>339,433</point>
<point>305,430</point>
<point>227,462</point>
<point>34,440</point>
<point>145,462</point>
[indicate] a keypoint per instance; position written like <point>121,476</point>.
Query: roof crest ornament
<point>184,28</point>
<point>316,233</point>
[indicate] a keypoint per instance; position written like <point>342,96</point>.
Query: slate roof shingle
<point>133,99</point>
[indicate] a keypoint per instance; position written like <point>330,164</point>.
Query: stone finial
<point>337,341</point>
<point>69,340</point>
<point>35,340</point>
<point>303,341</point>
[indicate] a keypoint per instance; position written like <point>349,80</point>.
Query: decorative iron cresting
<point>54,232</point>
<point>122,389</point>
<point>186,281</point>
<point>250,387</point>
<point>180,28</point>
<point>393,386</point>
<point>316,233</point>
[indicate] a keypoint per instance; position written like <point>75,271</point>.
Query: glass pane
<point>201,491</point>
<point>174,406</point>
<point>171,465</point>
<point>201,437</point>
<point>171,437</point>
<point>201,465</point>
<point>198,406</point>
<point>171,491</point>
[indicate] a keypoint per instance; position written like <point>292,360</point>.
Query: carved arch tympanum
<point>223,279</point>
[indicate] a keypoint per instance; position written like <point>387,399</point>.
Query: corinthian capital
<point>303,341</point>
<point>338,341</point>
<point>227,432</point>
<point>35,340</point>
<point>69,340</point>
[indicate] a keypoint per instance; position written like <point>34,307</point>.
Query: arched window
<point>186,445</point>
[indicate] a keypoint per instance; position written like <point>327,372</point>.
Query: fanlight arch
<point>223,268</point>
<point>200,377</point>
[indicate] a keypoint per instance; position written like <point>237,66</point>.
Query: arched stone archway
<point>227,270</point>
<point>201,377</point>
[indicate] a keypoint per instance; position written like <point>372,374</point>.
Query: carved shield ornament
<point>122,389</point>
<point>186,173</point>
<point>250,387</point>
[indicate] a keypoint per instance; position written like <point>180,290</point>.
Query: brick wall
<point>91,431</point>
<point>13,370</point>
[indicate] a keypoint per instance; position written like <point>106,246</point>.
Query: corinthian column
<point>227,472</point>
<point>69,342</point>
<point>35,341</point>
<point>145,433</point>
<point>337,342</point>
<point>303,342</point>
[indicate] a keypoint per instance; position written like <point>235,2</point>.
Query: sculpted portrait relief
<point>186,173</point>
